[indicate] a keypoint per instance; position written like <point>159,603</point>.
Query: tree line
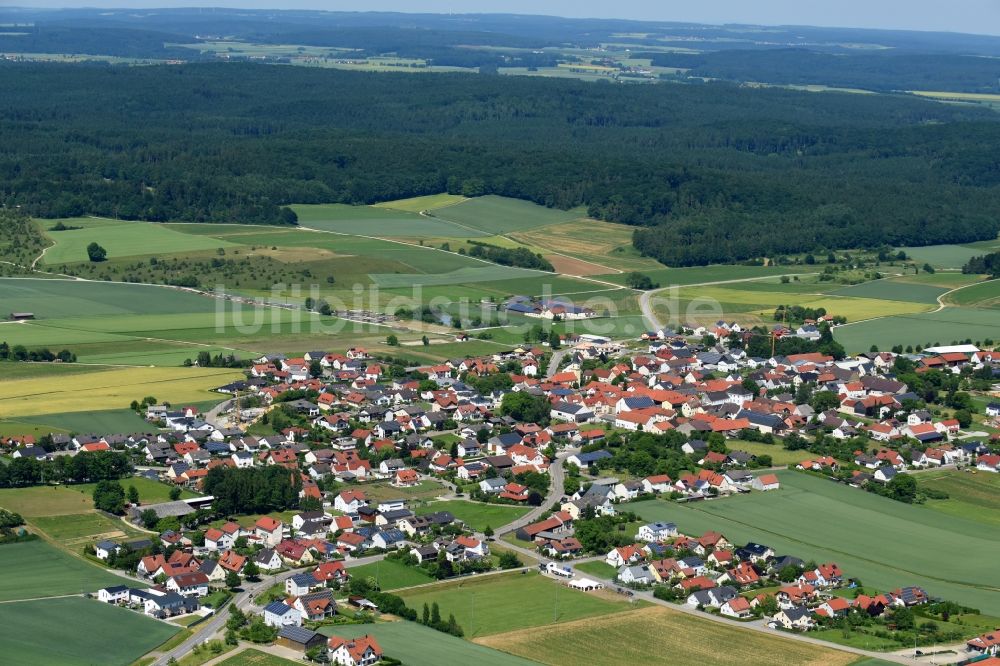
<point>82,468</point>
<point>706,173</point>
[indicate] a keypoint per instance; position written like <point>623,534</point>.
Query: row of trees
<point>22,353</point>
<point>81,468</point>
<point>987,263</point>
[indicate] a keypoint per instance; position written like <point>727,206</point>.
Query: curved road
<point>243,601</point>
<point>556,492</point>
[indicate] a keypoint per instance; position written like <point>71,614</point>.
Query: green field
<point>475,514</point>
<point>150,492</point>
<point>943,256</point>
<point>391,575</point>
<point>660,636</point>
<point>983,294</point>
<point>891,290</point>
<point>598,568</point>
<point>45,501</point>
<point>779,454</point>
<point>705,274</point>
<point>427,202</point>
<point>509,602</point>
<point>63,299</point>
<point>89,632</point>
<point>884,543</point>
<point>482,272</point>
<point>35,569</point>
<point>972,496</point>
<point>381,220</point>
<point>120,239</point>
<point>76,530</point>
<point>944,326</point>
<point>400,640</point>
<point>500,215</point>
<point>100,421</point>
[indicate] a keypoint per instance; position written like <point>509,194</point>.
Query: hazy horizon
<point>966,16</point>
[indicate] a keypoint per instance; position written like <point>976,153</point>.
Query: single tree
<point>133,495</point>
<point>96,252</point>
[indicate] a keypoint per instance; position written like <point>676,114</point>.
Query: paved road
<point>557,357</point>
<point>557,476</point>
<point>244,601</point>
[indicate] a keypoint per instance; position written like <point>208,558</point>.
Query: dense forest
<point>879,71</point>
<point>707,173</point>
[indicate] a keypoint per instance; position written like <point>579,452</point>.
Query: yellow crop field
<point>591,240</point>
<point>658,635</point>
<point>958,96</point>
<point>109,389</point>
<point>428,202</point>
<point>856,309</point>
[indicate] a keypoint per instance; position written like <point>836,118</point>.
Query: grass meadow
<point>970,496</point>
<point>500,215</point>
<point>884,543</point>
<point>399,639</point>
<point>496,604</point>
<point>382,220</point>
<point>426,202</point>
<point>35,569</point>
<point>77,632</point>
<point>391,575</point>
<point>942,256</point>
<point>477,515</point>
<point>980,295</point>
<point>659,635</point>
<point>121,239</point>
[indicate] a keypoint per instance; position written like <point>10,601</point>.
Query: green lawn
<point>779,454</point>
<point>495,604</point>
<point>391,575</point>
<point>150,492</point>
<point>599,569</point>
<point>36,569</point>
<point>401,640</point>
<point>884,543</point>
<point>500,215</point>
<point>426,489</point>
<point>477,515</point>
<point>123,239</point>
<point>971,496</point>
<point>77,631</point>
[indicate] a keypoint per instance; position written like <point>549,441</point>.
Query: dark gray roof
<point>297,634</point>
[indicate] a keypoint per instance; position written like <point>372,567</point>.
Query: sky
<point>971,16</point>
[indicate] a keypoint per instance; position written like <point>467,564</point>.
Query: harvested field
<point>658,635</point>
